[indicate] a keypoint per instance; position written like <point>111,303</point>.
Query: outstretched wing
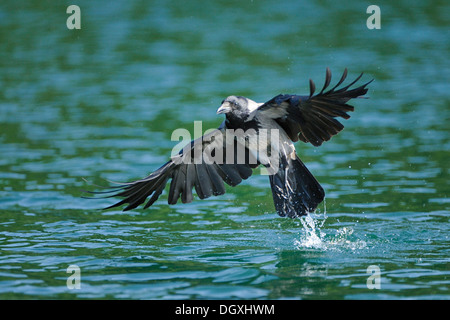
<point>203,164</point>
<point>313,118</point>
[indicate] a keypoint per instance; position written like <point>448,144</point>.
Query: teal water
<point>102,102</point>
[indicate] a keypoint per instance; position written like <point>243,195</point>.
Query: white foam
<point>314,237</point>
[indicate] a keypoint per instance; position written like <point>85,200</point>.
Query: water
<point>101,103</point>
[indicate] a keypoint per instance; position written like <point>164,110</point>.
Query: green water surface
<point>102,102</point>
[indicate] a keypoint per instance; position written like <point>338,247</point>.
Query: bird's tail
<point>295,190</point>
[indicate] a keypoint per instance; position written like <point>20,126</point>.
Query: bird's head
<point>235,106</point>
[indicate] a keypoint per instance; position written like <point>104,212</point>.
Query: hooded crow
<point>252,134</point>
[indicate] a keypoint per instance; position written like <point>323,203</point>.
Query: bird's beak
<point>224,108</point>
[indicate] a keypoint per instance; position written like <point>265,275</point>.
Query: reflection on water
<point>102,102</point>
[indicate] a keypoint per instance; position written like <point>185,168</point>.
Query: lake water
<point>102,102</point>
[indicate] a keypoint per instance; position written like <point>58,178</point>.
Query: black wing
<point>202,165</point>
<point>313,118</point>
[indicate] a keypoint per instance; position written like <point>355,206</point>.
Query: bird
<point>252,135</point>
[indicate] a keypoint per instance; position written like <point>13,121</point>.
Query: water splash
<point>313,236</point>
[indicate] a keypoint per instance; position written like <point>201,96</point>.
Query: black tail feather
<point>295,190</point>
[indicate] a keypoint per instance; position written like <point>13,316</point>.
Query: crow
<point>252,135</point>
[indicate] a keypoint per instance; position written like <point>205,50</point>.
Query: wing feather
<point>184,174</point>
<point>313,118</point>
